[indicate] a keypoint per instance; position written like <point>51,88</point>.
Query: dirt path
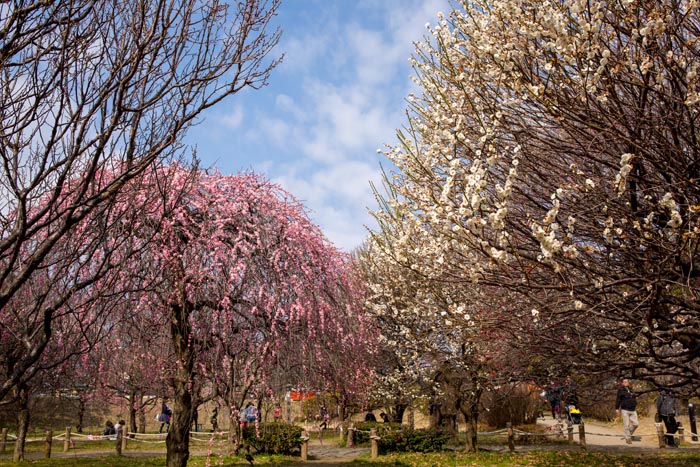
<point>610,436</point>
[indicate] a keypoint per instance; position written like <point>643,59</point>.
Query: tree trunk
<point>132,411</point>
<point>81,415</point>
<point>470,411</point>
<point>434,416</point>
<point>22,421</point>
<point>178,440</point>
<point>142,418</point>
<point>471,432</point>
<point>235,430</point>
<point>396,412</point>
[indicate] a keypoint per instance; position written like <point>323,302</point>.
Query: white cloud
<point>337,197</point>
<point>336,98</point>
<point>287,104</point>
<point>233,118</point>
<point>274,130</point>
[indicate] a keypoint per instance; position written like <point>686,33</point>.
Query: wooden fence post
<point>343,433</point>
<point>47,444</point>
<point>119,442</point>
<point>681,434</point>
<point>3,441</point>
<point>660,435</point>
<point>375,443</point>
<point>351,436</point>
<point>304,446</point>
<point>570,432</point>
<point>125,437</point>
<point>511,439</point>
<point>582,435</point>
<point>66,441</point>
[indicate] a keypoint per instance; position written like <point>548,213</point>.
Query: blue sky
<point>338,96</point>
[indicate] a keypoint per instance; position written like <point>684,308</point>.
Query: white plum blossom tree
<point>553,153</point>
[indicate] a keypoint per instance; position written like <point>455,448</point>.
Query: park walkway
<point>609,436</point>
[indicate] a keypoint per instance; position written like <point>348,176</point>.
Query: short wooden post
<point>511,437</point>
<point>660,435</point>
<point>47,444</point>
<point>3,441</point>
<point>118,446</point>
<point>351,436</point>
<point>125,437</point>
<point>304,446</point>
<point>66,441</point>
<point>343,433</point>
<point>681,434</point>
<point>374,442</point>
<point>570,432</point>
<point>582,436</point>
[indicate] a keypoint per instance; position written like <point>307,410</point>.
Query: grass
<point>482,459</point>
<point>89,454</point>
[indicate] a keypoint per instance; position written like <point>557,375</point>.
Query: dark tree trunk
<point>22,393</point>
<point>81,415</point>
<point>434,415</point>
<point>142,417</point>
<point>178,440</point>
<point>470,410</point>
<point>132,410</point>
<point>396,412</point>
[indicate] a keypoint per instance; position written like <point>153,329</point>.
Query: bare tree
<point>91,93</point>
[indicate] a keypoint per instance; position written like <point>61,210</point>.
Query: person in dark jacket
<point>554,399</point>
<point>666,408</point>
<point>626,407</point>
<point>164,418</point>
<point>109,429</point>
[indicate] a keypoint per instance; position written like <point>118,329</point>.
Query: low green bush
<point>362,429</point>
<point>394,437</point>
<point>406,440</point>
<point>273,438</point>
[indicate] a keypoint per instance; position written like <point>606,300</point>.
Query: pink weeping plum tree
<point>236,272</point>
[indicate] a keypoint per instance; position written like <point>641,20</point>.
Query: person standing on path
<point>626,407</point>
<point>666,408</point>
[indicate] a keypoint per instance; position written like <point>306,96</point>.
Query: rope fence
<point>558,431</point>
<point>122,437</point>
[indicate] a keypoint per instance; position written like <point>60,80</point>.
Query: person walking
<point>666,408</point>
<point>554,399</point>
<point>164,418</point>
<point>195,419</point>
<point>119,426</point>
<point>214,419</point>
<point>626,407</point>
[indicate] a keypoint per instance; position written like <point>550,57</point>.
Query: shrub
<point>274,438</point>
<point>407,440</point>
<point>393,437</point>
<point>361,435</point>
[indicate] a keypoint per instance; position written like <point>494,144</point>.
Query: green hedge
<point>274,438</point>
<point>395,437</point>
<point>407,440</point>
